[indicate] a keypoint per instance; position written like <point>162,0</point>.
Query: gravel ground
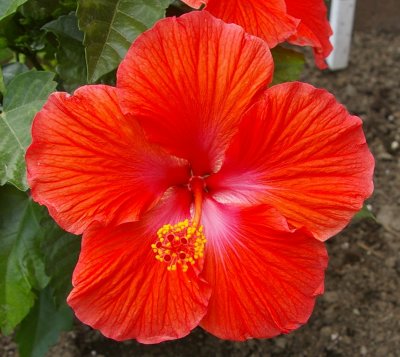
<point>359,315</point>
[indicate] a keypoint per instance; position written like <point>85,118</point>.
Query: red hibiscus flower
<point>300,22</point>
<point>199,192</point>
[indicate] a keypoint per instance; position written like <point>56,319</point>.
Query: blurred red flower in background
<point>203,197</point>
<point>300,22</point>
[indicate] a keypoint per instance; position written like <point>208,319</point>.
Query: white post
<point>341,19</point>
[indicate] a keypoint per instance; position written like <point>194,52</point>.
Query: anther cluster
<point>179,245</point>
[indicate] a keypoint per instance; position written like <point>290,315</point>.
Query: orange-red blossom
<point>203,196</point>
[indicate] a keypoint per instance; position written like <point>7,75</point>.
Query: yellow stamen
<point>181,244</point>
<point>177,247</point>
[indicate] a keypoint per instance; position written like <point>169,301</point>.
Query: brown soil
<point>359,315</point>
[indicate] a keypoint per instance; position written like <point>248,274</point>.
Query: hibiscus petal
<point>264,276</point>
<point>196,4</point>
<point>188,80</point>
<point>89,162</point>
<point>122,290</point>
<point>314,29</point>
<point>266,19</point>
<point>300,151</point>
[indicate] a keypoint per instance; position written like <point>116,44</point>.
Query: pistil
<point>196,185</point>
<point>182,244</point>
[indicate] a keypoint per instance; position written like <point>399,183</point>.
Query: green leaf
<point>41,328</point>
<point>47,9</point>
<point>65,26</point>
<point>364,213</point>
<point>110,28</point>
<point>70,56</point>
<point>289,65</point>
<point>12,70</point>
<point>6,54</point>
<point>8,7</point>
<point>61,251</point>
<point>21,264</point>
<point>2,86</point>
<point>25,95</point>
